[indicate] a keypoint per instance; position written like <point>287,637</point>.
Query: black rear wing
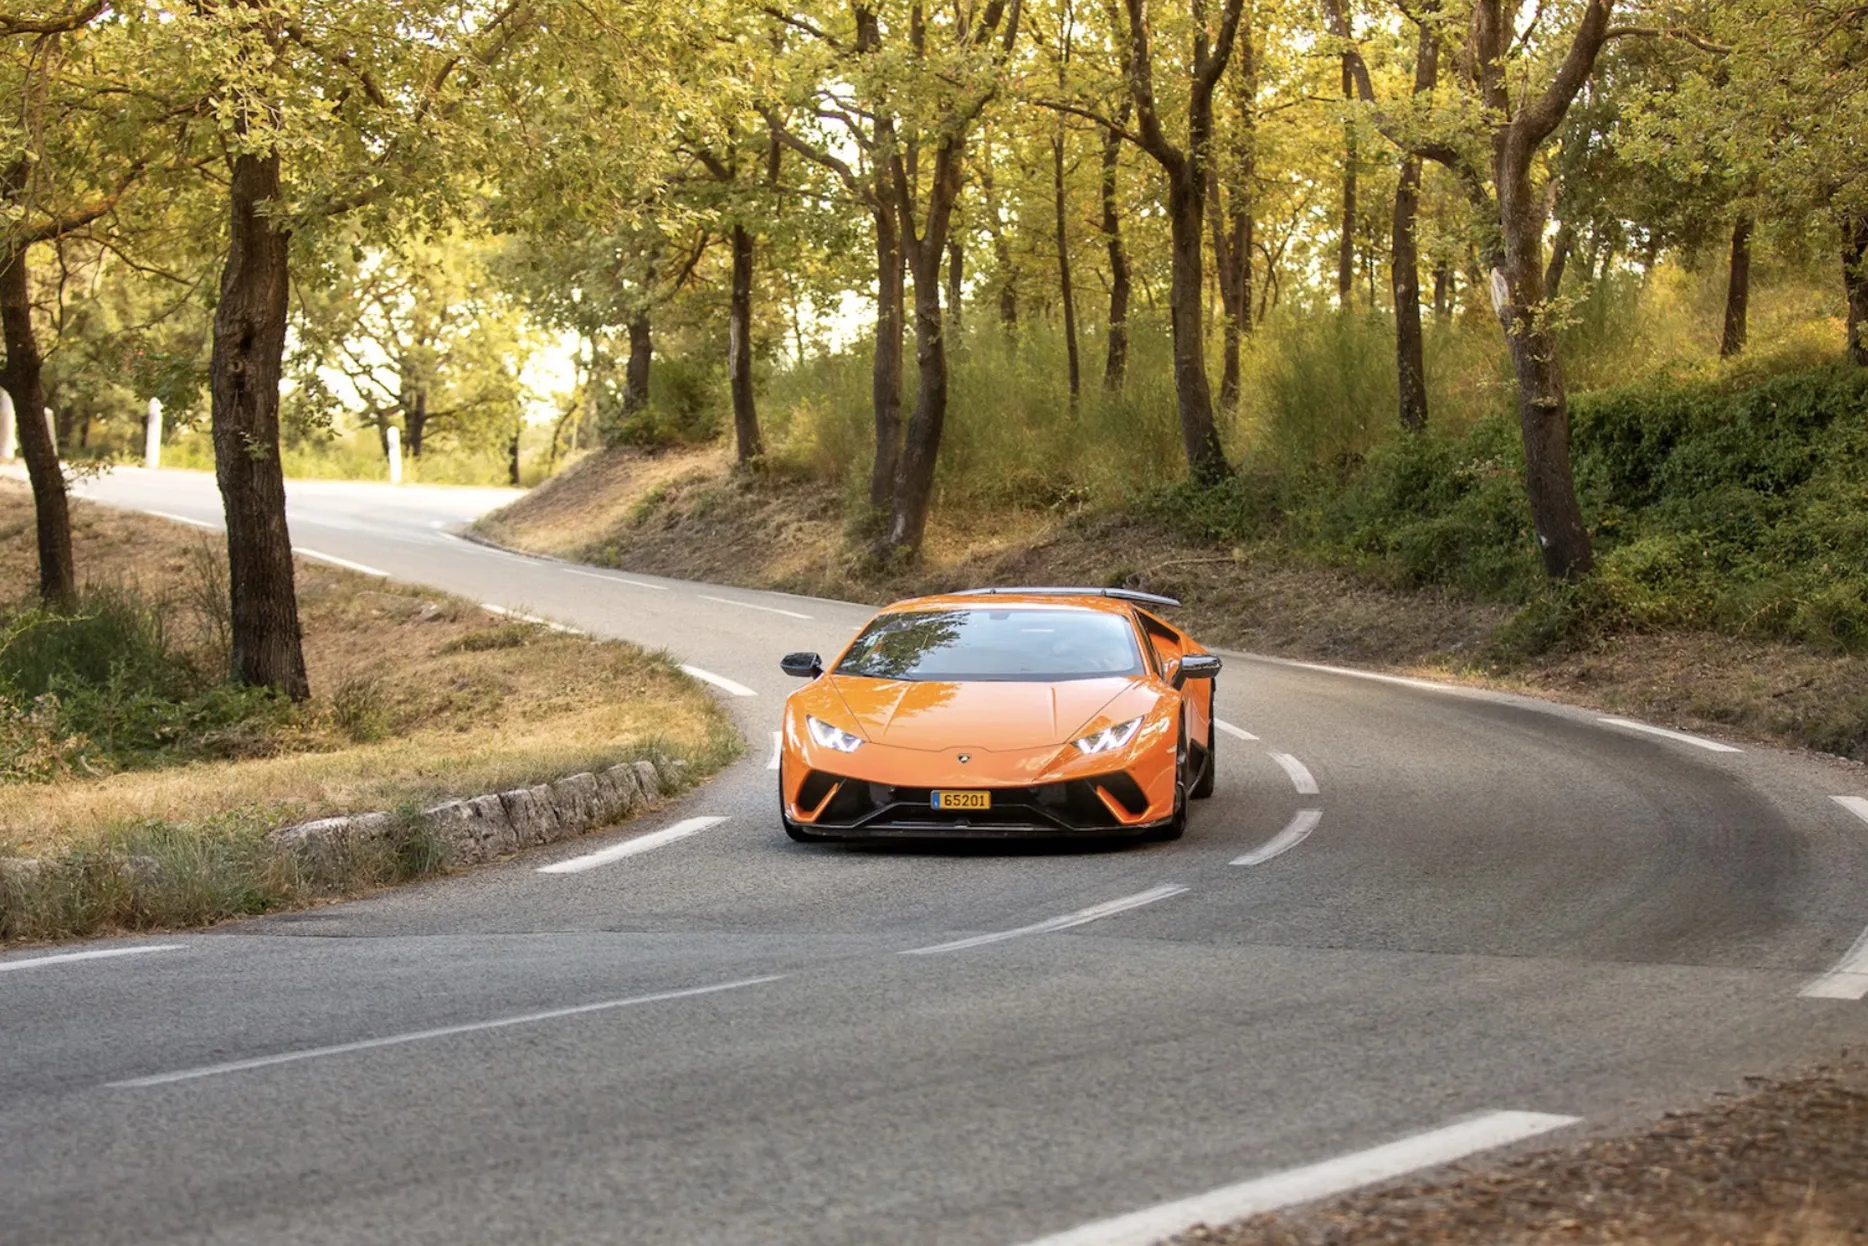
<point>1120,594</point>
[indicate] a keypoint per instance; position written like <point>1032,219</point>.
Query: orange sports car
<point>1001,712</point>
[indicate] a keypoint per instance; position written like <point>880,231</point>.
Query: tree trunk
<point>243,380</point>
<point>1346,241</point>
<point>1115,364</point>
<point>58,585</point>
<point>914,475</point>
<point>886,377</point>
<point>1206,461</point>
<point>1560,248</point>
<point>1737,290</point>
<point>750,446</point>
<point>1404,279</point>
<point>1063,264</point>
<point>956,270</point>
<point>1233,225</point>
<point>1442,290</point>
<point>1855,280</point>
<point>512,456</point>
<point>1543,408</point>
<point>415,424</point>
<point>636,371</point>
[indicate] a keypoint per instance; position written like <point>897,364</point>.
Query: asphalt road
<point>1484,904</point>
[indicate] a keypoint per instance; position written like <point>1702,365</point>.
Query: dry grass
<point>596,494</point>
<point>418,696</point>
<point>700,521</point>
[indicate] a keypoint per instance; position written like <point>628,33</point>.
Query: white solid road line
<point>335,561</point>
<point>777,747</point>
<point>1711,746</point>
<point>728,601</point>
<point>193,523</point>
<point>1304,1185</point>
<point>393,1040</point>
<point>616,579</point>
<point>1403,680</point>
<point>1285,840</point>
<point>1849,978</point>
<point>1229,729</point>
<point>719,681</point>
<point>630,847</point>
<point>532,618</point>
<point>1301,778</point>
<point>1854,804</point>
<point>64,958</point>
<point>1078,918</point>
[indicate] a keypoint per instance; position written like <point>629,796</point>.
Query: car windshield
<point>981,644</point>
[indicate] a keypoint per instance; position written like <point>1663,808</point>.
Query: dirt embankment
<point>686,514</point>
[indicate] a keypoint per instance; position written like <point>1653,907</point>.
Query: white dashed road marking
<point>631,847</point>
<point>1285,840</point>
<point>719,681</point>
<point>335,561</point>
<point>393,1040</point>
<point>1711,746</point>
<point>1078,918</point>
<point>747,605</point>
<point>1854,804</point>
<point>776,749</point>
<point>1301,778</point>
<point>64,958</point>
<point>1238,732</point>
<point>1303,1185</point>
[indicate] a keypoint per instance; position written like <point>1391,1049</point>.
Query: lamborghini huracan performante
<point>1056,712</point>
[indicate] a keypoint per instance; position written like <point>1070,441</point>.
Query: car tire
<point>1176,825</point>
<point>1209,762</point>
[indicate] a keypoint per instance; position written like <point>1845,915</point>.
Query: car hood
<point>990,714</point>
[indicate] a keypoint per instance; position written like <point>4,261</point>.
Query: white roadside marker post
<point>152,436</point>
<point>393,436</point>
<point>6,427</point>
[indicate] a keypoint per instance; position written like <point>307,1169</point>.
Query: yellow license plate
<point>963,800</point>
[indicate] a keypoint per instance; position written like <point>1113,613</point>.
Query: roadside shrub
<point>161,875</point>
<point>107,687</point>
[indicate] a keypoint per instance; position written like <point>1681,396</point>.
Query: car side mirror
<point>1196,666</point>
<point>802,665</point>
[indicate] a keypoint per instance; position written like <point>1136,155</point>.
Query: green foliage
<point>1737,507</point>
<point>687,396</point>
<point>106,687</point>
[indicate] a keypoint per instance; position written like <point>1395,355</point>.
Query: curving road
<point>1414,923</point>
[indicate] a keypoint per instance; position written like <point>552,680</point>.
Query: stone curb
<point>481,828</point>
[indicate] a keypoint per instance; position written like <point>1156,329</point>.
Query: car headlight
<point>836,737</point>
<point>1109,737</point>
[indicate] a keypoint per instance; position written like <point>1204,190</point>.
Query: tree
<point>361,95</point>
<point>1184,166</point>
<point>63,167</point>
<point>422,338</point>
<point>1501,182</point>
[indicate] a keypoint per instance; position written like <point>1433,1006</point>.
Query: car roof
<point>999,600</point>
